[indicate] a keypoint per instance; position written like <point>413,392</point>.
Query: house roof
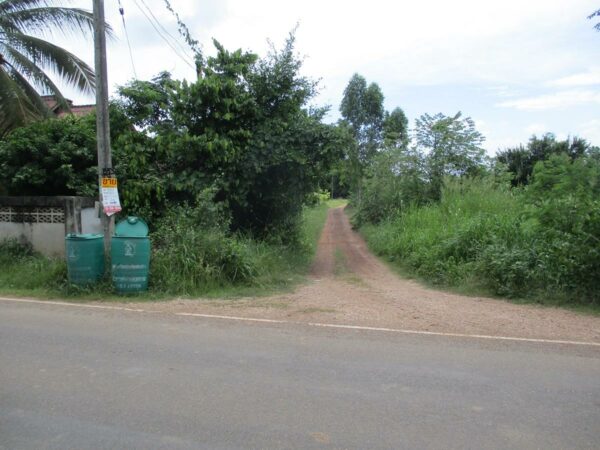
<point>76,110</point>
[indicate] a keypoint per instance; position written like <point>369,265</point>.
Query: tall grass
<point>187,260</point>
<point>488,238</point>
<point>24,271</point>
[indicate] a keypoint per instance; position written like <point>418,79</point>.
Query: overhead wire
<point>122,12</point>
<point>174,39</point>
<point>183,58</point>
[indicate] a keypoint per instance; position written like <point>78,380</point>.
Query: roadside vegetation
<point>523,225</point>
<point>232,171</point>
<point>228,170</point>
<point>190,258</point>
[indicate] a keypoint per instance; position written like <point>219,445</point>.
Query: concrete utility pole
<point>102,123</point>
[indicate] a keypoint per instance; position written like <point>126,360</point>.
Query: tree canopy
<point>520,161</point>
<point>244,131</point>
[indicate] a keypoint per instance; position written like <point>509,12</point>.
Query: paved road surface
<point>74,378</point>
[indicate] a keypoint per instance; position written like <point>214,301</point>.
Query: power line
<point>122,12</point>
<point>174,39</point>
<point>183,58</point>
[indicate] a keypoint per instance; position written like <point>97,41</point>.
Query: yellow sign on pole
<point>110,195</point>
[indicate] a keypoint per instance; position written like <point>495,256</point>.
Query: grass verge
<point>485,241</point>
<point>275,267</point>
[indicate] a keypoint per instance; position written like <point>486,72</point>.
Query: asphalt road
<point>75,378</point>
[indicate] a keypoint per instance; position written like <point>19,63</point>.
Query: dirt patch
<point>349,285</point>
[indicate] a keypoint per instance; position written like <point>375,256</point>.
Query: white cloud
<point>493,52</point>
<point>589,78</point>
<point>536,128</point>
<point>590,131</point>
<point>557,100</point>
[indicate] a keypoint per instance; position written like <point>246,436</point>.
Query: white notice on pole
<point>110,196</point>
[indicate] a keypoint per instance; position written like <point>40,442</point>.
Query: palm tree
<point>24,58</point>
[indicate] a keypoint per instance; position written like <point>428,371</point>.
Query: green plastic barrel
<point>85,258</point>
<point>130,256</point>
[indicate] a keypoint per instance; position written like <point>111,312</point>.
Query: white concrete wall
<point>49,238</point>
<point>46,238</point>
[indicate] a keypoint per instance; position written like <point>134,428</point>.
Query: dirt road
<point>348,285</point>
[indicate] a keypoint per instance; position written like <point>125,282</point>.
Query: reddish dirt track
<point>348,285</point>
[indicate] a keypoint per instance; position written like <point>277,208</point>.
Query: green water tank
<point>130,256</point>
<point>85,258</point>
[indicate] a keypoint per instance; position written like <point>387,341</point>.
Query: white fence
<point>45,221</point>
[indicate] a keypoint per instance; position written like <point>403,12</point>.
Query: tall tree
<point>395,129</point>
<point>352,102</point>
<point>362,109</point>
<point>452,145</point>
<point>26,58</point>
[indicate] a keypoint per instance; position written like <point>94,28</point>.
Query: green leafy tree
<point>243,130</point>
<point>521,160</point>
<point>25,58</point>
<point>395,181</point>
<point>395,129</point>
<point>362,109</point>
<point>50,157</point>
<point>452,145</point>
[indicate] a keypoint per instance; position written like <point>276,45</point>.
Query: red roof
<point>76,110</point>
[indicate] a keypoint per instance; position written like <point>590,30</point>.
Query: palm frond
<point>16,108</point>
<point>68,66</point>
<point>31,71</point>
<point>7,6</point>
<point>48,20</point>
<point>39,107</point>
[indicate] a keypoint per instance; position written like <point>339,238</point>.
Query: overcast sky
<point>517,67</point>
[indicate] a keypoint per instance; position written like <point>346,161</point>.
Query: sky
<point>517,67</point>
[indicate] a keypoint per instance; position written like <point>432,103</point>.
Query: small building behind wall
<point>45,221</point>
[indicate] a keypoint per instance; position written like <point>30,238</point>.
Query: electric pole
<point>102,124</point>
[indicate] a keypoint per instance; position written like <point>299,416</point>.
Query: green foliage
<point>191,255</point>
<point>362,111</point>
<point>51,157</point>
<point>452,145</point>
<point>12,250</point>
<point>446,148</point>
<point>243,128</point>
<point>194,254</point>
<point>395,129</point>
<point>23,269</point>
<point>25,58</point>
<point>540,243</point>
<point>520,161</point>
<point>394,182</point>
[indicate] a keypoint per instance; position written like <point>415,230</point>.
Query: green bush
<point>540,243</point>
<point>193,250</point>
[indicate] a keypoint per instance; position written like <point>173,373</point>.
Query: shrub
<point>541,243</point>
<point>193,250</point>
